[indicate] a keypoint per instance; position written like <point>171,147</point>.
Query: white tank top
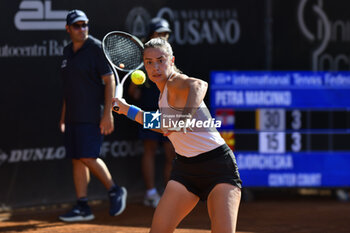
<point>191,143</point>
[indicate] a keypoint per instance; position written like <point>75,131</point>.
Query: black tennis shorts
<point>201,173</point>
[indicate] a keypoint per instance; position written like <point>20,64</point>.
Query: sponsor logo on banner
<point>32,154</point>
<point>39,15</point>
<point>36,15</point>
<point>49,48</point>
<point>324,33</point>
<point>137,22</point>
<point>122,148</point>
<point>115,148</point>
<point>197,26</point>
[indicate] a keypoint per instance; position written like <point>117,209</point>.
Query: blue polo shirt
<point>82,83</point>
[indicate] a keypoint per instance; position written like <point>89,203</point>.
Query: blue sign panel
<point>287,129</point>
<point>280,89</point>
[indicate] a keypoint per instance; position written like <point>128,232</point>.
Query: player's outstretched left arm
<point>131,111</point>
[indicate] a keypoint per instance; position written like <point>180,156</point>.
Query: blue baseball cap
<point>75,16</point>
<point>159,25</point>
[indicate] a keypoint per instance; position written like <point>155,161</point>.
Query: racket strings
<point>123,50</point>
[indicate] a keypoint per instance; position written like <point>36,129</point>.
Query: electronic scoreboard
<point>287,129</point>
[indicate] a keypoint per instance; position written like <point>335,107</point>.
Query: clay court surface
<point>311,215</point>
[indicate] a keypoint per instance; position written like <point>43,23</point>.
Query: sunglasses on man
<point>78,26</point>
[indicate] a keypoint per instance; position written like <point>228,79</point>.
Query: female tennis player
<point>205,167</point>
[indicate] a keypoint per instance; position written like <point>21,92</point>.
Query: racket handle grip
<point>119,91</point>
<point>119,95</point>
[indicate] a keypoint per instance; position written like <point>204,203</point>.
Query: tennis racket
<point>124,53</point>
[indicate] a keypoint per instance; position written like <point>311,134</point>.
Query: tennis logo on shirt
<point>151,120</point>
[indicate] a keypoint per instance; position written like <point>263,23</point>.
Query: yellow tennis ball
<point>138,77</point>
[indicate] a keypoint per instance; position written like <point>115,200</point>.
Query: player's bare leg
<point>81,177</point>
<point>169,156</point>
<point>175,204</point>
<point>100,170</point>
<point>223,204</point>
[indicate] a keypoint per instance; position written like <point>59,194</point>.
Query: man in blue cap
<point>159,27</point>
<point>88,89</point>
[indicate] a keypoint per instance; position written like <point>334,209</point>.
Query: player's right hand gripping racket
<point>124,52</point>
